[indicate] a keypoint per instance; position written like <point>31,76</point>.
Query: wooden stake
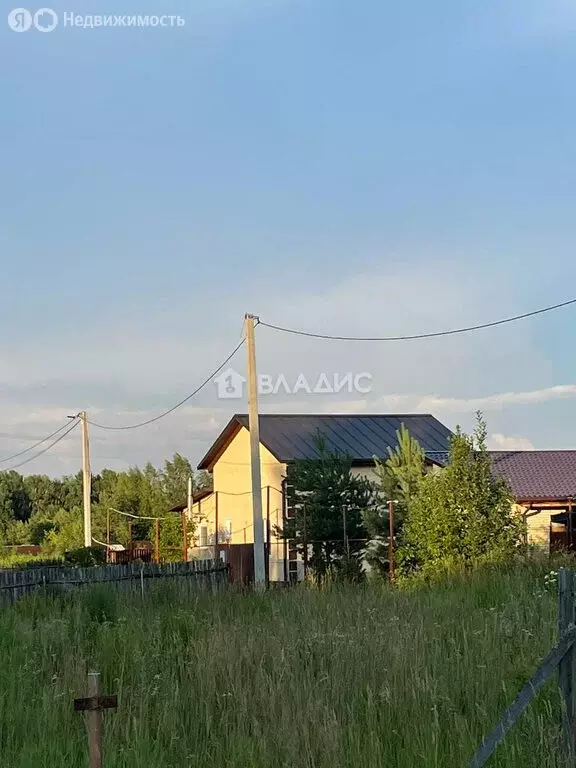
<point>391,542</point>
<point>184,538</point>
<point>156,541</point>
<point>94,705</point>
<point>216,523</point>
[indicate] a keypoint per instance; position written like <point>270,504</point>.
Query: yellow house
<point>225,515</point>
<point>543,484</point>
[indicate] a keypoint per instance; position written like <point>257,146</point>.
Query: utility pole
<point>86,481</point>
<point>254,427</point>
<point>391,542</point>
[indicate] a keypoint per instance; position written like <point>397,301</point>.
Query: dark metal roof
<point>290,437</point>
<point>537,475</point>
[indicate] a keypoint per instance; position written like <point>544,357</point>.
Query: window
<point>203,535</point>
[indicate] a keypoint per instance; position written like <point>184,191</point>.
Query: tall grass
<point>363,677</point>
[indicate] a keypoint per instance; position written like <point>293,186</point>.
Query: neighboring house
<point>283,439</point>
<point>543,484</point>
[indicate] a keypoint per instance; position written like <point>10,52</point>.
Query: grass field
<point>359,677</point>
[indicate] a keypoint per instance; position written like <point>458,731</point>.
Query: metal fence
<point>199,574</point>
<point>561,657</point>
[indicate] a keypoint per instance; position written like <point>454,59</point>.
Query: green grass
<point>359,677</point>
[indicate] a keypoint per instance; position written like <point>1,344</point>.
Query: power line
<point>52,444</point>
<point>420,335</point>
<point>178,405</point>
<point>136,517</point>
<point>31,448</point>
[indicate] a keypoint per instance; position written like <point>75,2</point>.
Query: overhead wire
<point>411,337</point>
<point>178,405</point>
<point>40,442</point>
<point>45,450</point>
<point>136,517</point>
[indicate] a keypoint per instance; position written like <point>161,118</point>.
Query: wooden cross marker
<point>94,705</point>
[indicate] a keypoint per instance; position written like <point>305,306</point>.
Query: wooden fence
<point>562,657</point>
<point>199,574</point>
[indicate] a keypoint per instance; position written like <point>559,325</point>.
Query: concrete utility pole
<point>254,426</point>
<point>86,481</point>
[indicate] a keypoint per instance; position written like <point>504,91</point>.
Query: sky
<point>350,167</point>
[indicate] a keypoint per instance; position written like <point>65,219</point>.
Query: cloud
<point>498,442</point>
<point>135,367</point>
<point>431,403</point>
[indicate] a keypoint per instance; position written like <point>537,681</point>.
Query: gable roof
<point>537,475</point>
<point>289,437</point>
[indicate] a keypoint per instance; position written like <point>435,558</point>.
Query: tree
<point>328,502</point>
<point>399,478</point>
<point>175,479</point>
<point>14,501</point>
<point>462,514</point>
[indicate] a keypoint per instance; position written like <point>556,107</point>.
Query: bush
<point>85,557</point>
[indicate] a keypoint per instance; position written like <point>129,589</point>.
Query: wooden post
<point>392,565</point>
<point>108,535</point>
<point>156,541</point>
<point>94,722</point>
<point>94,705</point>
<point>345,531</point>
<point>184,537</point>
<point>566,668</point>
<point>305,542</point>
<point>216,523</point>
<point>268,545</point>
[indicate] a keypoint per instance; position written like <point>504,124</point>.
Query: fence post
<point>566,668</point>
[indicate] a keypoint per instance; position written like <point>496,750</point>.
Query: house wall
<point>233,486</point>
<point>538,524</point>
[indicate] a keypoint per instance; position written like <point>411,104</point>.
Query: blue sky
<point>349,166</point>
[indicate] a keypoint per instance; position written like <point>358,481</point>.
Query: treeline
<point>48,512</point>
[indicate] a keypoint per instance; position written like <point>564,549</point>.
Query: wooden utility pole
<point>254,426</point>
<point>86,481</point>
<point>391,542</point>
<point>94,705</point>
<point>156,541</point>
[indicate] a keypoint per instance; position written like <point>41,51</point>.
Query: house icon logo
<point>230,385</point>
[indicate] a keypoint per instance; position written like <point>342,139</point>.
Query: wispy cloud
<point>498,442</point>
